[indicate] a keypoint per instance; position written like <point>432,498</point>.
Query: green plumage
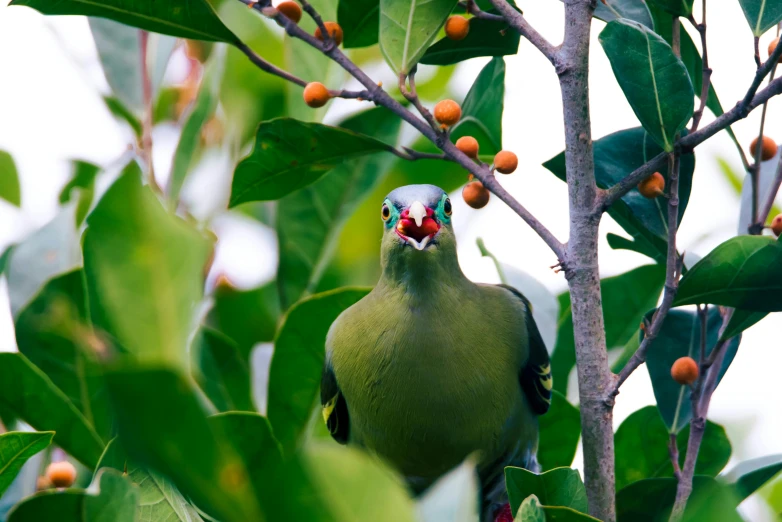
<point>430,367</point>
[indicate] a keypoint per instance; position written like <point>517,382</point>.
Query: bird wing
<point>535,377</point>
<point>335,408</point>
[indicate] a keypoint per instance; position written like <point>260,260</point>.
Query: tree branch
<point>706,71</point>
<point>516,20</point>
<point>147,124</point>
<point>471,7</point>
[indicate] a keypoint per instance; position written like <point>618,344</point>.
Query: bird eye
<point>385,212</point>
<point>447,207</point>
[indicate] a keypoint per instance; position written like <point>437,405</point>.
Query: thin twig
<point>520,24</point>
<point>146,124</point>
<point>269,68</point>
<point>673,453</point>
<point>706,70</point>
<point>754,171</point>
<point>757,51</point>
<point>471,7</point>
<point>412,155</point>
<point>411,95</point>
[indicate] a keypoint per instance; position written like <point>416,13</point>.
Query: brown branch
<point>267,67</point>
<point>412,96</point>
<point>471,7</point>
<point>516,20</point>
<point>673,453</point>
<point>147,123</point>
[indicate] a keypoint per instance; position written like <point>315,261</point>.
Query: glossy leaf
<point>651,500</point>
<point>560,429</point>
<point>616,156</point>
<point>9,180</point>
<point>482,110</point>
<point>310,220</point>
<point>641,448</point>
<point>485,38</point>
<point>750,475</point>
<point>363,18</point>
<point>144,271</point>
<point>299,352</point>
<point>530,511</point>
<point>761,15</point>
<point>680,336</point>
<point>223,371</point>
<point>115,501</point>
<point>183,446</point>
<point>53,332</point>
<point>626,298</point>
<point>453,497</point>
<point>15,448</point>
<point>635,10</point>
<point>49,251</point>
<point>654,81</point>
<point>676,7</point>
<point>193,19</point>
<point>740,321</point>
<point>291,154</point>
<point>83,183</point>
<point>202,110</point>
<point>559,487</point>
<point>744,272</point>
<point>407,27</point>
<point>28,393</point>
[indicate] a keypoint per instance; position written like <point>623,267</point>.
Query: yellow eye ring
<point>385,212</point>
<point>447,208</point>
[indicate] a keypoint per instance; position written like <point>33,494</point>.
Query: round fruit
<point>334,30</point>
<point>475,194</point>
<point>468,145</point>
<point>457,27</point>
<point>773,45</point>
<point>42,483</point>
<point>776,225</point>
<point>767,151</point>
<point>291,10</point>
<point>447,112</point>
<point>505,162</point>
<point>685,370</point>
<point>61,474</point>
<point>653,186</point>
<point>316,95</point>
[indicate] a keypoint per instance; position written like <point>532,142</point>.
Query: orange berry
<point>457,27</point>
<point>505,162</point>
<point>475,194</point>
<point>653,186</point>
<point>316,95</point>
<point>685,370</point>
<point>768,149</point>
<point>291,10</point>
<point>468,145</point>
<point>42,483</point>
<point>334,30</point>
<point>61,474</point>
<point>773,45</point>
<point>447,112</point>
<point>776,225</point>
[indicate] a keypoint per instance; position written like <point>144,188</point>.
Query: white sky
<point>50,112</point>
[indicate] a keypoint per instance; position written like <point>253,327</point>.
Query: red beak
<point>407,227</point>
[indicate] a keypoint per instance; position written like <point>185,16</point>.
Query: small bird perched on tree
<point>430,367</point>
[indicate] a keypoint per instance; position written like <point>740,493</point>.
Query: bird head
<point>417,221</point>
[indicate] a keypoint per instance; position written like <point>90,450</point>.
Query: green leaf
<point>53,332</point>
<point>9,180</point>
<point>560,429</point>
<point>144,271</point>
<point>15,448</point>
<point>676,7</point>
<point>407,27</point>
<point>193,19</point>
<point>740,321</point>
<point>83,182</point>
<point>743,272</point>
<point>641,448</point>
<point>559,487</point>
<point>357,486</point>
<point>248,317</point>
<point>4,258</point>
<point>291,154</point>
<point>530,511</point>
<point>654,81</point>
<point>119,50</point>
<point>482,110</point>
<point>310,220</point>
<point>680,336</point>
<point>761,15</point>
<point>222,371</point>
<point>122,113</point>
<point>203,109</point>
<point>297,363</point>
<point>363,19</point>
<point>27,392</point>
<point>183,446</point>
<point>616,156</point>
<point>626,298</point>
<point>635,10</point>
<point>116,501</point>
<point>49,251</point>
<point>750,475</point>
<point>485,38</point>
<point>651,500</point>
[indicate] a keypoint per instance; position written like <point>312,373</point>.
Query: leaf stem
<point>146,124</point>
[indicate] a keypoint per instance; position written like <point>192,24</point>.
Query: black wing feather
<point>535,378</point>
<point>335,408</point>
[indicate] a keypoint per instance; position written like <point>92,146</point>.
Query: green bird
<point>430,367</point>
